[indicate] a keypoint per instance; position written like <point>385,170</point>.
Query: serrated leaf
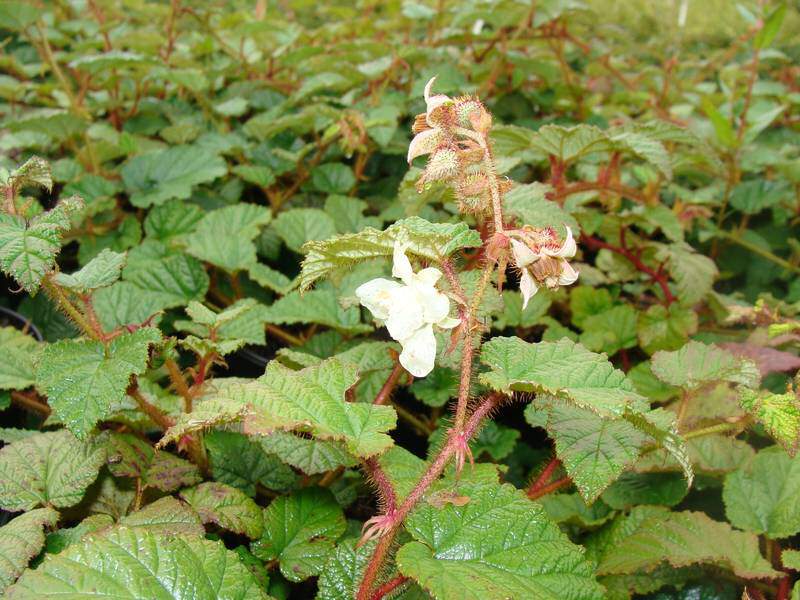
<point>763,496</point>
<point>661,328</point>
<point>300,225</point>
<point>530,205</point>
<point>66,536</point>
<point>300,531</point>
<point>28,248</point>
<point>569,143</point>
<point>696,364</point>
<point>33,172</point>
<point>165,516</point>
<point>309,456</point>
<point>432,241</point>
<point>20,352</point>
<point>270,278</point>
<point>693,273</point>
<point>103,270</point>
<point>244,463</point>
<point>649,535</point>
<point>130,456</point>
<point>224,237</point>
<point>661,425</point>
<point>134,563</point>
<point>563,369</point>
<point>153,178</point>
<point>169,277</point>
<point>630,489</point>
<point>82,379</point>
<point>172,219</point>
<point>204,416</point>
<point>348,214</point>
<point>333,178</point>
<point>711,454</point>
<point>319,306</point>
<point>21,540</point>
<point>497,545</point>
<point>124,303</point>
<point>610,331</point>
<point>570,508</point>
<point>342,573</point>
<point>226,506</point>
<point>594,451</point>
<point>313,400</point>
<point>52,468</point>
<point>778,413</point>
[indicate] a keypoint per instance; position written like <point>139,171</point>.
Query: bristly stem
<point>391,382</point>
<point>434,471</point>
<point>60,298</point>
<point>389,587</point>
<point>544,477</point>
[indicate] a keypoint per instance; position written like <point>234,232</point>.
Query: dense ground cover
<point>250,349</point>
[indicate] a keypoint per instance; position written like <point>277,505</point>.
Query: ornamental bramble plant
<point>400,300</point>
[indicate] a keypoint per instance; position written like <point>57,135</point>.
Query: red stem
<point>388,387</point>
<point>386,494</point>
<point>389,587</point>
<point>597,186</point>
<point>549,489</point>
<point>544,476</point>
<point>657,276</point>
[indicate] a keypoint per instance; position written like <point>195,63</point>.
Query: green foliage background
<point>197,419</point>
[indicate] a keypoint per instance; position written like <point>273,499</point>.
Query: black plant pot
<point>14,319</point>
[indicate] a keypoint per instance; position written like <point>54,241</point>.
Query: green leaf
<point>570,143</point>
<point>432,241</point>
<point>563,369</point>
<point>103,270</point>
<point>661,328</point>
<point>312,457</point>
<point>300,225</point>
<point>205,415</point>
<point>513,315</point>
<point>17,16</point>
<point>497,545</point>
<point>171,278</point>
<point>664,489</point>
<point>224,237</point>
<point>763,495</point>
<point>348,214</point>
<point>530,205</point>
<point>693,273</point>
<point>33,172</point>
<point>437,388</point>
<point>696,364</point>
<point>152,179</point>
<point>131,456</point>
<point>772,25</point>
<point>66,536</point>
<point>172,219</point>
<point>28,248</point>
<point>226,506</point>
<point>82,379</point>
<point>244,463</point>
<point>594,451</point>
<point>778,413</point>
<point>342,574</point>
<point>494,439</point>
<point>722,126</point>
<point>300,531</point>
<point>319,306</point>
<point>124,304</point>
<point>585,301</point>
<point>313,400</point>
<point>333,178</point>
<point>650,535</point>
<point>134,563</point>
<point>52,468</point>
<point>20,352</point>
<point>610,331</point>
<point>165,516</point>
<point>570,508</point>
<point>270,278</point>
<point>661,425</point>
<point>21,540</point>
<point>259,175</point>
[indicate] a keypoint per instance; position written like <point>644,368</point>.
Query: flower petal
<point>528,287</point>
<point>435,101</point>
<point>569,247</point>
<point>568,274</point>
<point>428,276</point>
<point>523,256</point>
<point>405,314</point>
<point>419,352</point>
<point>376,295</point>
<point>435,305</point>
<point>423,143</point>
<point>448,323</point>
<point>401,267</point>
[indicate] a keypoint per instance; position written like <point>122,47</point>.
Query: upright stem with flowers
<point>455,135</point>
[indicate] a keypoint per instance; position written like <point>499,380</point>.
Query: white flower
<point>542,260</point>
<point>433,135</point>
<point>410,310</point>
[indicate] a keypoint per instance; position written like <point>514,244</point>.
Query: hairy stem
<point>388,387</point>
<point>389,587</point>
<point>60,298</point>
<point>543,477</point>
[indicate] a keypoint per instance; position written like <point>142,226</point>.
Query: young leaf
<point>649,535</point>
<point>563,369</point>
<point>21,540</point>
<point>224,237</point>
<point>778,413</point>
<point>48,469</point>
<point>103,270</point>
<point>131,456</point>
<point>300,531</point>
<point>497,545</point>
<point>165,516</point>
<point>170,220</point>
<point>28,248</point>
<point>20,352</point>
<point>316,306</point>
<point>226,506</point>
<point>432,241</point>
<point>762,496</point>
<point>662,328</point>
<point>131,562</point>
<point>82,379</point>
<point>300,225</point>
<point>694,274</point>
<point>33,172</point>
<point>154,178</point>
<point>312,457</point>
<point>169,277</point>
